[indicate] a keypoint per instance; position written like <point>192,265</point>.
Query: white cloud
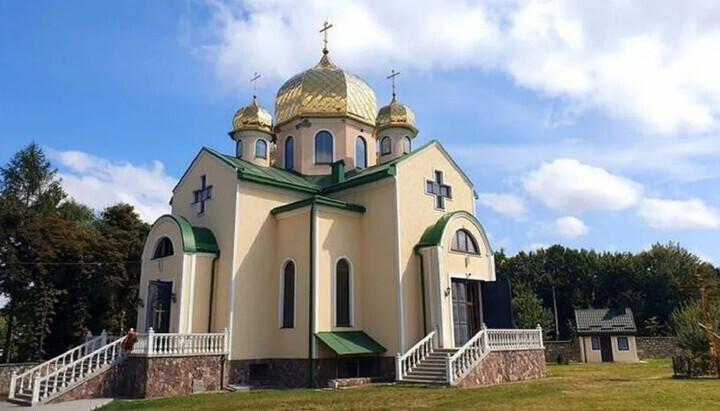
<point>679,214</point>
<point>570,227</point>
<point>652,62</point>
<point>568,185</point>
<point>506,204</point>
<point>98,183</point>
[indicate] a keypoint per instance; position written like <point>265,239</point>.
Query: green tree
<point>529,310</point>
<point>685,321</point>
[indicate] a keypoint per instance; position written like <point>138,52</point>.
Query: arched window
<point>289,153</point>
<point>164,248</point>
<point>239,149</point>
<point>464,242</point>
<point>406,145</point>
<point>343,294</point>
<point>287,296</point>
<point>323,148</point>
<point>360,152</point>
<point>261,148</point>
<point>385,146</point>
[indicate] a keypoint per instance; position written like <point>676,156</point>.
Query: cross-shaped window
<point>203,194</point>
<point>439,190</point>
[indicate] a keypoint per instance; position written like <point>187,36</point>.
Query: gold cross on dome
<point>254,80</point>
<point>391,77</point>
<point>324,30</point>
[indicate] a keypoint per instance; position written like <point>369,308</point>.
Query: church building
<point>327,243</point>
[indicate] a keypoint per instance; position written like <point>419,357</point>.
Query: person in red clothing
<point>130,340</point>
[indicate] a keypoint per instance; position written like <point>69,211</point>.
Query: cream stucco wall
<point>587,354</point>
<point>378,275</point>
<point>174,268</point>
<point>219,217</point>
<point>344,132</point>
<point>340,235</point>
<point>258,252</point>
<point>416,213</point>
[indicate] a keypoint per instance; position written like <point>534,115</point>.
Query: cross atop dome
<point>324,30</point>
<point>391,77</point>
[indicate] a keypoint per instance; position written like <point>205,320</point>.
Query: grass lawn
<point>569,387</point>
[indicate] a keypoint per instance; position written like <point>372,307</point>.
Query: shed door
<point>606,348</point>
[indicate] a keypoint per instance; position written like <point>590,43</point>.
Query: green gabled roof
<point>319,200</point>
<point>194,239</point>
<point>324,184</point>
<point>350,342</point>
<point>433,234</point>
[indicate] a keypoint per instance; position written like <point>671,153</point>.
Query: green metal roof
<point>318,184</point>
<point>433,234</point>
<point>605,321</point>
<point>194,239</point>
<point>350,342</point>
<point>320,200</point>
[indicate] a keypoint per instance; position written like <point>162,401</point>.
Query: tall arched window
<point>360,152</point>
<point>287,296</point>
<point>343,294</point>
<point>164,248</point>
<point>406,145</point>
<point>289,153</point>
<point>323,148</point>
<point>385,146</point>
<point>464,242</point>
<point>239,149</point>
<point>261,148</point>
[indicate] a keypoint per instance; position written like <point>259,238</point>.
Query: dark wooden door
<point>460,313</point>
<point>467,310</point>
<point>158,305</point>
<point>606,348</point>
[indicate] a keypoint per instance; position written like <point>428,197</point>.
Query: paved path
<point>80,405</point>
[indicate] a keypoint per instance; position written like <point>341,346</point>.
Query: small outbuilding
<point>606,335</point>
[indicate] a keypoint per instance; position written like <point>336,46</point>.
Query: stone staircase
<point>432,370</point>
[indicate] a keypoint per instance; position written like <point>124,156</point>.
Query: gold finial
<point>391,77</point>
<point>324,30</point>
<point>254,80</point>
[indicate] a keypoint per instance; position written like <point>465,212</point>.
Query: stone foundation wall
<point>140,377</point>
<point>293,372</point>
<point>506,366</point>
<point>6,371</point>
<point>656,347</point>
<point>562,352</point>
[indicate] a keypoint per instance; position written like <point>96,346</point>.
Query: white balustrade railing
<point>460,363</point>
<point>44,387</point>
<point>508,340</point>
<point>24,381</point>
<point>404,363</point>
<point>154,344</point>
<point>485,341</point>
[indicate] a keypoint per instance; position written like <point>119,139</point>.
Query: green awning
<point>350,342</point>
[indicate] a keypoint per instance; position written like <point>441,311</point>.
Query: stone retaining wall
<point>506,366</point>
<point>656,347</point>
<point>647,347</point>
<point>293,372</point>
<point>562,352</point>
<point>6,371</point>
<point>140,377</point>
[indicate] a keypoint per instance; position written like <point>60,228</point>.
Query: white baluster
<point>149,348</point>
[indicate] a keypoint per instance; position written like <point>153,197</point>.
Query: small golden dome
<point>325,91</point>
<point>253,117</point>
<point>396,114</point>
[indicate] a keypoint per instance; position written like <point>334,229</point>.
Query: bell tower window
<point>406,145</point>
<point>289,153</point>
<point>261,149</point>
<point>323,148</point>
<point>385,146</point>
<point>360,152</point>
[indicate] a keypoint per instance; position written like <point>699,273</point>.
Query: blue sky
<point>589,125</point>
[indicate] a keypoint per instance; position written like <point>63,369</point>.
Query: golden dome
<point>325,91</point>
<point>253,117</point>
<point>396,114</point>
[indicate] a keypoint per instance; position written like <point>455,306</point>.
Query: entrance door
<point>467,309</point>
<point>158,306</point>
<point>606,348</point>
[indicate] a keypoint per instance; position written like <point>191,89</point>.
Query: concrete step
<point>424,380</point>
